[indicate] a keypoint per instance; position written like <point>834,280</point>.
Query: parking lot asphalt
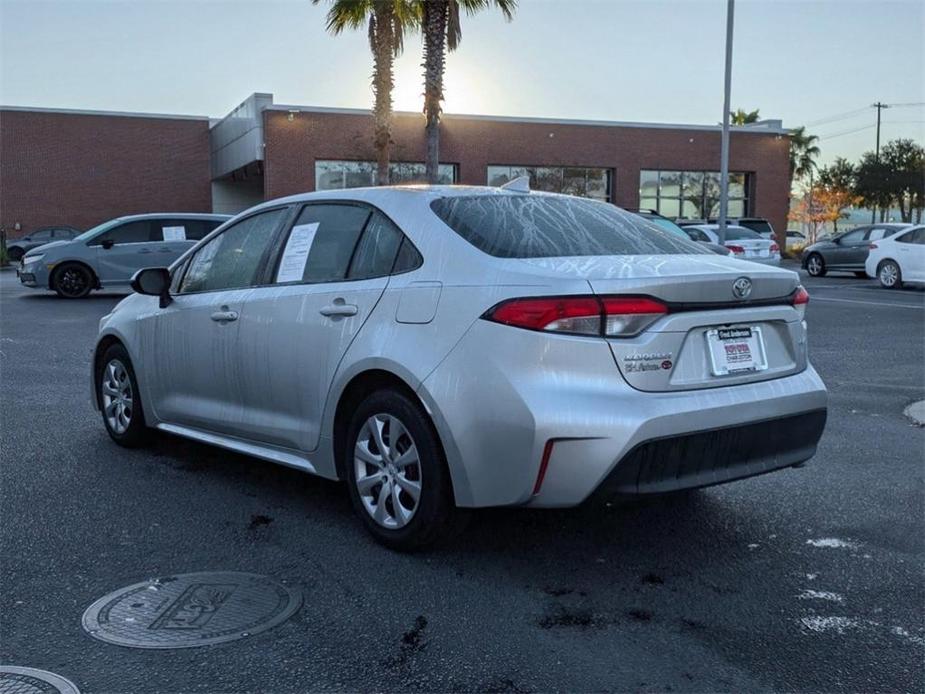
<point>808,579</point>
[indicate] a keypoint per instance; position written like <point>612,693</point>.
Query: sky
<point>817,63</point>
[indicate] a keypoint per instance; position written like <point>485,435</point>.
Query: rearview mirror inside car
<point>153,281</point>
<point>108,243</point>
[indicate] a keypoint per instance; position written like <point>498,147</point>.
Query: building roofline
<point>89,112</point>
<point>761,128</point>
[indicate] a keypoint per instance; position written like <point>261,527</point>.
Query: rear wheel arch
<point>358,389</point>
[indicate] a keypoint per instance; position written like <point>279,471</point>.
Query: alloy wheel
<point>73,281</point>
<point>388,471</point>
<point>116,389</point>
<point>888,274</point>
<point>814,265</point>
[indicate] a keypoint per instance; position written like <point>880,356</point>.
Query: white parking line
<point>868,303</point>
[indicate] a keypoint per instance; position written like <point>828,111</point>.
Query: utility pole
<point>879,107</point>
<point>724,151</point>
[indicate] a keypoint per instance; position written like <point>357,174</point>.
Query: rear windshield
<point>737,233</point>
<point>542,226</point>
<point>759,225</point>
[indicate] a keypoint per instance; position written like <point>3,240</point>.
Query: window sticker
<point>295,255</point>
<point>174,233</point>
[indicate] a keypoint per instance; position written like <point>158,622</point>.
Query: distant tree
<point>809,211</point>
<point>836,189</point>
<point>741,117</point>
<point>905,161</point>
<point>442,32</point>
<point>387,21</point>
<point>873,183</point>
<point>803,153</point>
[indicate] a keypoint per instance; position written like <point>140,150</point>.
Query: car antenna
<point>521,184</point>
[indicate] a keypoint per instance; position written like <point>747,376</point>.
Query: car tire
<point>120,400</point>
<point>72,281</point>
<point>15,254</point>
<point>815,265</point>
<point>383,488</point>
<point>889,274</point>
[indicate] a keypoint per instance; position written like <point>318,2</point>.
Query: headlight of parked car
<point>32,258</point>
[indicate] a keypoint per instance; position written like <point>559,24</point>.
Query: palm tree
<point>387,21</point>
<point>442,32</point>
<point>803,153</point>
<point>740,117</point>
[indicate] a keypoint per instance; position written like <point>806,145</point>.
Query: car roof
<point>426,192</point>
<point>160,215</point>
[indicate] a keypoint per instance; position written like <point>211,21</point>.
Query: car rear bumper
<point>527,420</point>
<point>715,456</point>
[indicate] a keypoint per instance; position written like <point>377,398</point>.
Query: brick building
<point>82,168</point>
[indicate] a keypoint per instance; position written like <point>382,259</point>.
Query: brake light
<point>799,299</point>
<point>738,250</point>
<point>775,248</point>
<point>607,316</point>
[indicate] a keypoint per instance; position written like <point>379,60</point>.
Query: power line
<point>848,132</point>
<point>838,117</point>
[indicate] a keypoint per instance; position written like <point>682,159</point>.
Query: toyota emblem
<point>741,288</point>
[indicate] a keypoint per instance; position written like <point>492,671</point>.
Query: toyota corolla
<point>444,348</point>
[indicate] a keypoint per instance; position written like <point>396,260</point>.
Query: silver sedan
<point>444,348</point>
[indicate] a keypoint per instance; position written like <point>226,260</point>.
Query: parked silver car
<point>108,255</point>
<point>17,248</point>
<point>744,243</point>
<point>443,348</point>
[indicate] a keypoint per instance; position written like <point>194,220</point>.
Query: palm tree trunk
<point>383,82</point>
<point>434,27</point>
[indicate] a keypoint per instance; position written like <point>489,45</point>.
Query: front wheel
<point>72,281</point>
<point>119,399</point>
<point>890,275</point>
<point>815,265</point>
<point>398,477</point>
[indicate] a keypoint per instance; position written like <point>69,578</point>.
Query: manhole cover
<point>27,680</point>
<point>188,610</point>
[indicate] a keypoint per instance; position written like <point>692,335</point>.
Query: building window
<point>334,175</point>
<point>572,180</point>
<point>691,194</point>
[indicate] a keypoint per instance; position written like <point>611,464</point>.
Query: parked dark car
<point>18,248</point>
<point>847,252</point>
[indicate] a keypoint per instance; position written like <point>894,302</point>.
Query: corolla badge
<point>741,288</point>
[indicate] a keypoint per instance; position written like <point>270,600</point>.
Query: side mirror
<point>153,281</point>
<point>108,243</point>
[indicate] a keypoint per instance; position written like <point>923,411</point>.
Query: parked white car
<point>898,259</point>
<point>744,243</point>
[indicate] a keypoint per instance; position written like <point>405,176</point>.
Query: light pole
<point>724,153</point>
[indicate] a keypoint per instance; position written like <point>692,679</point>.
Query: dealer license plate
<point>736,350</point>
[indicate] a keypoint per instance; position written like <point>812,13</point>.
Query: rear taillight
<point>606,316</point>
<point>873,246</point>
<point>775,248</point>
<point>738,250</point>
<point>799,299</point>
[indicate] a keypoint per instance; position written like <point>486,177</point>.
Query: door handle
<point>163,250</point>
<point>339,309</point>
<point>224,316</point>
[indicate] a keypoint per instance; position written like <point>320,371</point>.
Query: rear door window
<point>331,232</point>
<point>540,226</point>
<point>760,225</point>
<point>375,255</point>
